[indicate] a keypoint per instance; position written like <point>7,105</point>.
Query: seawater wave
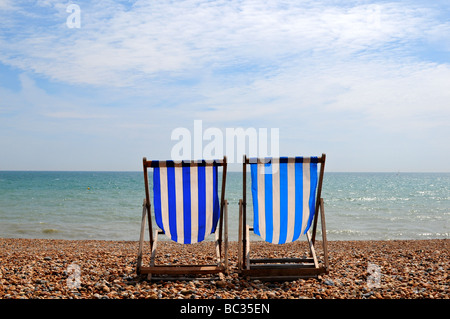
<point>108,205</point>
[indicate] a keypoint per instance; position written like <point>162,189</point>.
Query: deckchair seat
<point>186,200</point>
<point>283,193</point>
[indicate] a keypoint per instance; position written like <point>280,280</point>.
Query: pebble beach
<point>92,269</point>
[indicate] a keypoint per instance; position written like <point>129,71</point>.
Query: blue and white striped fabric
<point>284,194</point>
<point>186,200</point>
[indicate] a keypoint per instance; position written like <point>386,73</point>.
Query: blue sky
<point>367,82</point>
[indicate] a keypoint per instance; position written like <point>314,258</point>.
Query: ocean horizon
<point>107,205</point>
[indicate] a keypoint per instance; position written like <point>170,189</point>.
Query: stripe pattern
<point>284,194</point>
<point>186,200</point>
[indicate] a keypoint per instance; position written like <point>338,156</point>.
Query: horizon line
<point>228,171</point>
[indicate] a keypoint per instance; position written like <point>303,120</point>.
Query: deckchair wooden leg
<point>153,254</point>
<point>312,250</point>
<point>226,236</point>
<point>219,261</point>
<point>240,244</point>
<point>247,248</point>
<point>141,238</point>
<point>222,260</point>
<point>324,234</point>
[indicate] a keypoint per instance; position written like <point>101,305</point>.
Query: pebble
<point>221,283</point>
<point>39,268</point>
<point>329,282</point>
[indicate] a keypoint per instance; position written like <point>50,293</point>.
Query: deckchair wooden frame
<point>173,272</point>
<point>282,268</point>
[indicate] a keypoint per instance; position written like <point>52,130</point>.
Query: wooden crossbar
<point>157,163</point>
<point>281,260</point>
<point>282,266</point>
<point>182,270</point>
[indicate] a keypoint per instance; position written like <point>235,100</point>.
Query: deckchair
<point>187,211</point>
<point>286,194</point>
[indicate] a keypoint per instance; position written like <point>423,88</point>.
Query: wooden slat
<point>181,278</point>
<point>163,163</point>
<point>181,270</point>
<point>282,266</point>
<point>252,160</point>
<point>281,278</point>
<point>281,260</point>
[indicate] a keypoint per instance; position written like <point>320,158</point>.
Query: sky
<point>100,85</point>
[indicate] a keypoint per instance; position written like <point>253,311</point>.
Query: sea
<point>108,205</point>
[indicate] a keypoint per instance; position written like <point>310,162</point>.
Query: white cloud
<point>6,5</point>
<point>396,97</point>
<point>123,46</point>
<point>35,105</point>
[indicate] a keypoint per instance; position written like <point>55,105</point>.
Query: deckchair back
<point>284,197</point>
<point>186,199</point>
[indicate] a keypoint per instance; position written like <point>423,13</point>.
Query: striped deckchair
<point>286,195</point>
<point>187,210</point>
